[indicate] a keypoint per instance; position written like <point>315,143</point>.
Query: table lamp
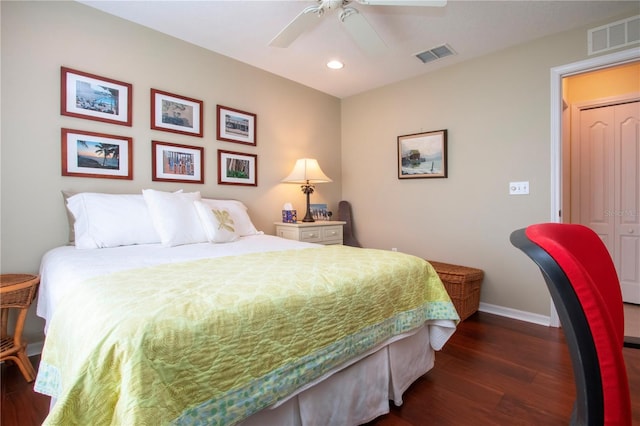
<point>307,172</point>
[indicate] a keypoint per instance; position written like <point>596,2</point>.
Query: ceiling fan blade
<point>362,32</point>
<point>431,3</point>
<point>306,20</point>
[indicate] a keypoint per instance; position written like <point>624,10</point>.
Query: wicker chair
<point>17,291</point>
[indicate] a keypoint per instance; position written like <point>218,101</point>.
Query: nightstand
<point>325,232</point>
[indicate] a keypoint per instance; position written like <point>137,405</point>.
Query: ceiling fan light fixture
<point>334,64</point>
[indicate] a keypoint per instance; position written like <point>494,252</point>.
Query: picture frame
<point>236,126</point>
<point>171,162</point>
<point>237,168</point>
<point>319,212</point>
<point>96,155</point>
<point>175,113</point>
<point>92,97</point>
<point>423,155</point>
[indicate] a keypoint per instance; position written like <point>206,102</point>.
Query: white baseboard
<point>515,314</point>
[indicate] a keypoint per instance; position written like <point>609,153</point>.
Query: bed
<point>252,330</point>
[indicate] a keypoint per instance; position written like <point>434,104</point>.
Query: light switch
<point>519,188</point>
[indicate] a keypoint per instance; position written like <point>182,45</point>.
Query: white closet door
<point>609,186</point>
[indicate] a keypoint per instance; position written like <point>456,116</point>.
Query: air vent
<point>614,35</point>
<point>435,53</point>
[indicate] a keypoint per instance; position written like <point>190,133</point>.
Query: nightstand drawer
<point>332,233</point>
<point>311,235</point>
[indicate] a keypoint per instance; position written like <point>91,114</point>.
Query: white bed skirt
<point>357,392</point>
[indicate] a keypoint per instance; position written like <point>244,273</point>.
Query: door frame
<point>557,74</point>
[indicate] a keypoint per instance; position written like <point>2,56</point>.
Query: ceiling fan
<point>354,22</point>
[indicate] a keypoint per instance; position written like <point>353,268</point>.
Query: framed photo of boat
<point>422,155</point>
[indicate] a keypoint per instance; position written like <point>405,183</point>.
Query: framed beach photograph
<point>422,155</point>
<point>236,126</point>
<point>177,114</point>
<point>92,97</point>
<point>237,168</point>
<point>96,155</point>
<point>177,163</point>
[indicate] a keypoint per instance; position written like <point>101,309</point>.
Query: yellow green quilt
<point>213,341</point>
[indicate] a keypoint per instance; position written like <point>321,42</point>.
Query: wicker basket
<point>462,284</point>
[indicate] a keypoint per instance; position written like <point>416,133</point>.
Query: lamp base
<point>308,190</point>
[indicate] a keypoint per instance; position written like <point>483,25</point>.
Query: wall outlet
<point>519,188</point>
<point>394,249</point>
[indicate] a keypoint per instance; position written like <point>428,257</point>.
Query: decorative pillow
<point>175,217</point>
<point>110,220</point>
<point>218,224</point>
<point>238,211</point>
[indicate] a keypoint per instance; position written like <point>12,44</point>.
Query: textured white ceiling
<point>242,30</point>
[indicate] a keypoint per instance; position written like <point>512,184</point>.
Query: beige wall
<point>497,112</point>
<point>39,37</point>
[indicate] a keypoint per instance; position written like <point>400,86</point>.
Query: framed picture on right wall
<point>422,155</point>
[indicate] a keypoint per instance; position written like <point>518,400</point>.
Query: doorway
<point>559,115</point>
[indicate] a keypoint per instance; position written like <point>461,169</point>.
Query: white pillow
<point>218,224</point>
<point>110,220</point>
<point>175,217</point>
<point>238,212</point>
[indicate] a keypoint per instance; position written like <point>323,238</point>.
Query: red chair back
<point>584,285</point>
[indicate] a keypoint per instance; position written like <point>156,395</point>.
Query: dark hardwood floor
<point>493,371</point>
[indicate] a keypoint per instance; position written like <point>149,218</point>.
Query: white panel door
<point>609,186</point>
<point>627,199</point>
<point>597,172</point>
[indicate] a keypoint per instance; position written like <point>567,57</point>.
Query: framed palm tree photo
<point>96,155</point>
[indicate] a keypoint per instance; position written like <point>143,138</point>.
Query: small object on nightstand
<point>289,216</point>
<point>17,291</point>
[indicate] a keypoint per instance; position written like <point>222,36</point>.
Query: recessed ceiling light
<point>335,65</point>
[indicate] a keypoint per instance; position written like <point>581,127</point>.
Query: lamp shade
<point>307,170</point>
